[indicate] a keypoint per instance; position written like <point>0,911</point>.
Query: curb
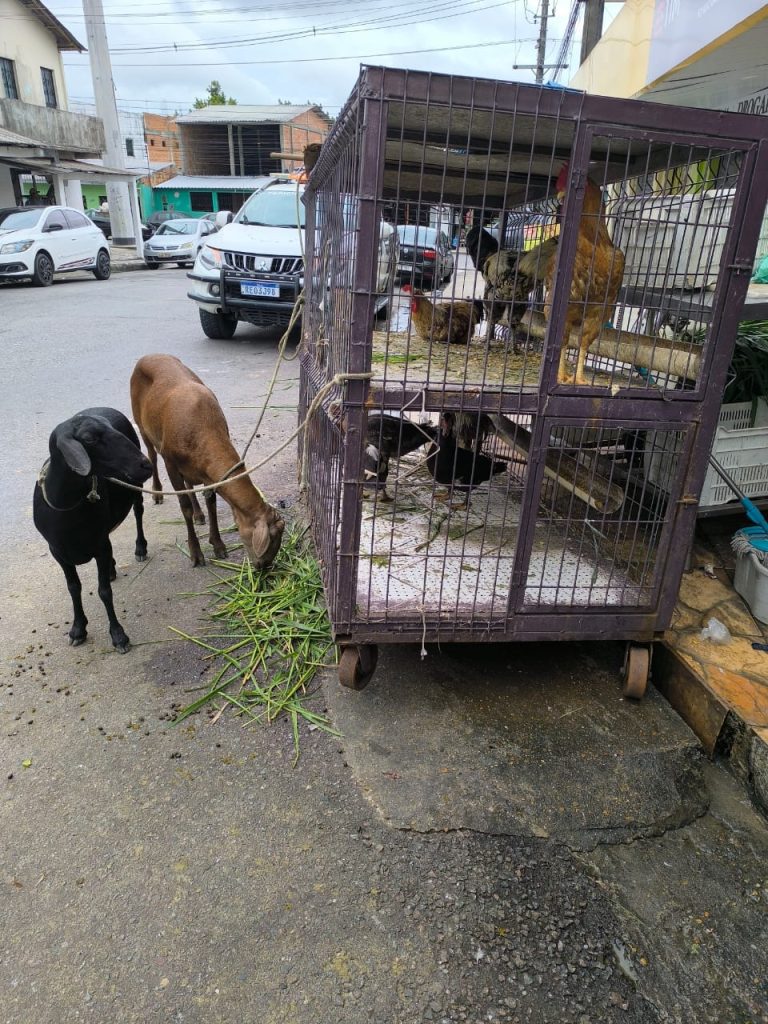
<point>122,268</point>
<point>721,729</point>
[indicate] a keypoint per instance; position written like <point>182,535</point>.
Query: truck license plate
<point>266,289</point>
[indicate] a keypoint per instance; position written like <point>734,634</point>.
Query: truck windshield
<point>273,209</point>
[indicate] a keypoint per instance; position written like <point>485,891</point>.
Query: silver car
<point>177,241</point>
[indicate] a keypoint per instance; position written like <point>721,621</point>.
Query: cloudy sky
<point>165,52</point>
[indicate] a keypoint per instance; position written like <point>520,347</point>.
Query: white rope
<point>335,382</point>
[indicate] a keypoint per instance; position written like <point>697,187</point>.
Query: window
<point>8,75</point>
<point>49,87</point>
<point>75,219</point>
<point>151,142</point>
<point>55,220</point>
<point>201,202</point>
<point>129,147</point>
<point>163,143</point>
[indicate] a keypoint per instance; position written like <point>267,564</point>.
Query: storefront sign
<point>683,27</point>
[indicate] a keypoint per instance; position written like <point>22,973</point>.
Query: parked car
<point>40,241</point>
<point>177,241</point>
<point>425,254</point>
<point>154,220</point>
<point>254,271</point>
<point>102,221</point>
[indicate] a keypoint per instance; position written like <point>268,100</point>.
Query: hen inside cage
<point>492,240</point>
<point>442,531</point>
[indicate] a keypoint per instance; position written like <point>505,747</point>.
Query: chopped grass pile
<point>270,635</point>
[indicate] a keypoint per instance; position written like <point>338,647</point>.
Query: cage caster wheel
<point>637,670</point>
<point>357,665</point>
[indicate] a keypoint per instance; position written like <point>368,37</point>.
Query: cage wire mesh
<point>540,301</point>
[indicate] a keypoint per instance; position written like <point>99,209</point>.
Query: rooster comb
<point>562,178</point>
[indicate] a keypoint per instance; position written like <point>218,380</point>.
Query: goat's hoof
<point>157,499</point>
<point>141,556</point>
<point>200,560</point>
<point>122,646</point>
<point>199,518</point>
<point>75,641</point>
<point>220,553</point>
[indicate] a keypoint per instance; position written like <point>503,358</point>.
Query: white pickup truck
<point>252,268</point>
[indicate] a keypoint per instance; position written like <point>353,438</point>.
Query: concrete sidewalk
<point>125,257</point>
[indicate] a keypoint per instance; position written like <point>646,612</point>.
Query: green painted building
<point>195,195</point>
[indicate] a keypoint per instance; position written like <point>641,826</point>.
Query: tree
<point>215,97</point>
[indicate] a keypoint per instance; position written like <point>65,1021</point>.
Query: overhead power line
<point>312,60</point>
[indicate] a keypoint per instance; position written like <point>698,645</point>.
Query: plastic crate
<point>750,580</point>
<point>740,446</point>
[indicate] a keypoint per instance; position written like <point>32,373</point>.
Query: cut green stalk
<point>272,634</point>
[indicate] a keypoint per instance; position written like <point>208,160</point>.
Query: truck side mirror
<point>223,217</point>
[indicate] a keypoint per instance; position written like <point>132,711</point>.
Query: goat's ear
<point>260,538</point>
<point>75,456</point>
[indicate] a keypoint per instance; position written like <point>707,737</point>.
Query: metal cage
<point>464,483</point>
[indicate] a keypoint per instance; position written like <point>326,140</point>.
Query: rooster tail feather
<point>535,263</point>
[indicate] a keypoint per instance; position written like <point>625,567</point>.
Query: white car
<point>253,270</point>
<point>177,241</point>
<point>40,241</point>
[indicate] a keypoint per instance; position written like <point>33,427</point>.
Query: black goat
<point>75,508</point>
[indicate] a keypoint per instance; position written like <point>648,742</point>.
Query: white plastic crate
<point>740,446</point>
<point>750,580</point>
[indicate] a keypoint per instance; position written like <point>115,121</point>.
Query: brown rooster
<point>598,271</point>
<point>447,322</point>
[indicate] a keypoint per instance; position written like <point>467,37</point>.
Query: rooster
<point>455,466</point>
<point>451,323</point>
<point>598,271</point>
<point>386,437</point>
<point>506,286</point>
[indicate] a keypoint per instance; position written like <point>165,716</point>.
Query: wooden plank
<point>675,358</point>
<point>564,470</point>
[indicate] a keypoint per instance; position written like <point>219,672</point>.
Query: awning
<point>69,168</point>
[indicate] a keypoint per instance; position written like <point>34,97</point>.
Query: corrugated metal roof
<point>209,184</point>
<point>246,114</point>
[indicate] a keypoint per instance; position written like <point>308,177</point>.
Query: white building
<point>38,133</point>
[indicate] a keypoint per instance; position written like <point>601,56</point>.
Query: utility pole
<point>122,210</point>
<point>593,26</point>
<point>541,45</point>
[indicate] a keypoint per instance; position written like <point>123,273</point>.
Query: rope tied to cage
<point>338,380</point>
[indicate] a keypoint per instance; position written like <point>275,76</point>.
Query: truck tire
<point>218,326</point>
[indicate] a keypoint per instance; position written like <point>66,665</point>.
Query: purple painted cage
<point>532,507</point>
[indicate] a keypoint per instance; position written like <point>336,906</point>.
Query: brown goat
<point>180,418</point>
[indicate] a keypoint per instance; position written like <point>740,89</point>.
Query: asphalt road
<point>494,836</point>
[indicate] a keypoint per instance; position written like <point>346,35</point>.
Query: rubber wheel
<point>42,275</point>
<point>103,269</point>
<point>217,325</point>
<point>357,665</point>
<point>153,266</point>
<point>637,669</point>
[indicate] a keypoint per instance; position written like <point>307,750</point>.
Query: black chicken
<point>390,436</point>
<point>506,287</point>
<point>454,466</point>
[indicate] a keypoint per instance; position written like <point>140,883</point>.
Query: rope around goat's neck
<point>336,381</point>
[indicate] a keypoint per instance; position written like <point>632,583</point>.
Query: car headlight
<point>210,257</point>
<point>186,245</point>
<point>17,246</point>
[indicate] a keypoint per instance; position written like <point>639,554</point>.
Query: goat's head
<point>91,445</point>
<point>261,534</point>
